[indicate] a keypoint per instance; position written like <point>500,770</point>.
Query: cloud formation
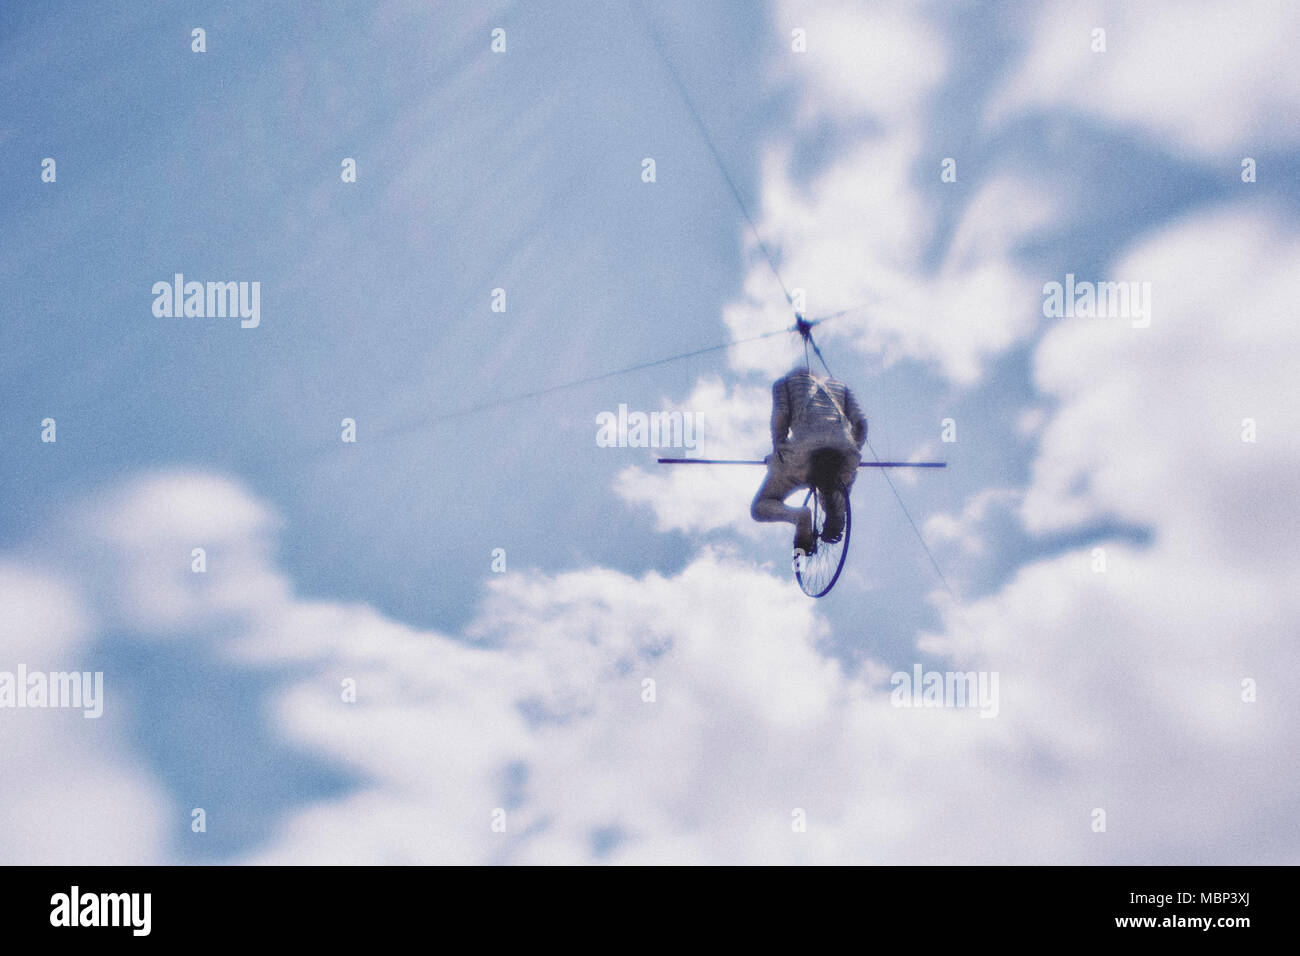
<point>1218,80</point>
<point>1119,691</point>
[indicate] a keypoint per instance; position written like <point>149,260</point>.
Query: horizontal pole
<point>707,461</point>
<point>865,464</point>
<point>903,464</point>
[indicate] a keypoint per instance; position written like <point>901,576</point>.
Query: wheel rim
<point>818,572</point>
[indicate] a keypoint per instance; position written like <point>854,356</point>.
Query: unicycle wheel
<point>818,572</point>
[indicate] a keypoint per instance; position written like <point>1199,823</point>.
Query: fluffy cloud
<point>859,235</point>
<point>1150,420</point>
<point>1118,691</point>
<point>73,791</point>
<point>1149,658</point>
<point>137,543</point>
<point>541,710</point>
<point>1220,80</point>
<point>853,52</point>
<point>701,498</point>
<point>963,529</point>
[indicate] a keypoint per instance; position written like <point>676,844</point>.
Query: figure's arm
<point>856,417</point>
<point>780,413</point>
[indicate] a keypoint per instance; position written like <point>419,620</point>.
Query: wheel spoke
<point>818,572</point>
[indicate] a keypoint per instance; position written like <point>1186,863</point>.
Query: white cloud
<point>1119,690</point>
<point>1148,658</point>
<point>1221,80</point>
<point>701,498</point>
<point>73,791</point>
<point>1029,421</point>
<point>1150,419</point>
<point>860,232</point>
<point>965,529</point>
<point>881,60</point>
<point>538,709</point>
<point>136,545</point>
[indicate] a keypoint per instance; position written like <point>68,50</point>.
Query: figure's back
<point>819,408</point>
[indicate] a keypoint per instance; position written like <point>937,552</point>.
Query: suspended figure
<point>818,431</point>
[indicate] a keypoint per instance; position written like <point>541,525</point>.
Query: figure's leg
<point>845,474</point>
<point>849,468</point>
<point>833,527</point>
<point>769,505</point>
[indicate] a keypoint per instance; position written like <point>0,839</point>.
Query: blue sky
<point>522,170</point>
<point>474,174</point>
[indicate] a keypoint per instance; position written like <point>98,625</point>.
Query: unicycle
<point>818,572</point>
